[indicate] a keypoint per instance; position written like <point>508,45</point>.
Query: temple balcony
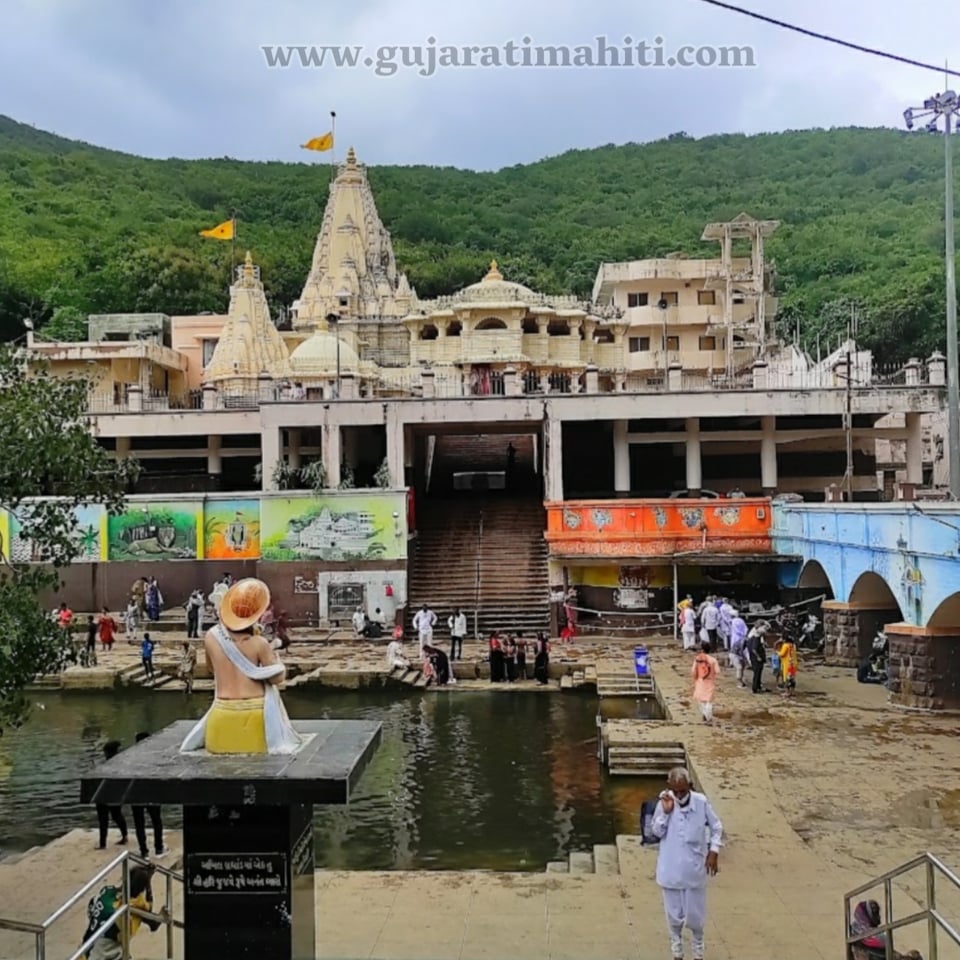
<point>639,529</point>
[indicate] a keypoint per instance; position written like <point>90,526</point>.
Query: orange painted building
<point>603,529</point>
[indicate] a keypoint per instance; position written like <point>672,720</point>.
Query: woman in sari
<point>154,600</point>
<point>496,659</point>
<point>872,946</point>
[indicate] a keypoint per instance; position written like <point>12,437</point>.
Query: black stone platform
<point>247,830</point>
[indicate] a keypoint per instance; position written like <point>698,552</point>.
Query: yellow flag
<point>319,143</point>
<point>222,231</point>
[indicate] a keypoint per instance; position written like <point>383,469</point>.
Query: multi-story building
<point>545,441</point>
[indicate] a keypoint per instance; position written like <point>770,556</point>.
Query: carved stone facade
<point>353,274</point>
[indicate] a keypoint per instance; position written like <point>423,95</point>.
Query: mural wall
<point>88,534</point>
<point>155,530</point>
<point>351,525</point>
<point>231,529</point>
<point>343,526</point>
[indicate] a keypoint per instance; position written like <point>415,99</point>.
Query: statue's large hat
<point>244,604</point>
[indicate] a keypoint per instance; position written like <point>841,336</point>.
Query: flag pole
<point>233,247</point>
<point>333,147</point>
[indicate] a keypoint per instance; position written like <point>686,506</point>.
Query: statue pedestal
<point>247,830</point>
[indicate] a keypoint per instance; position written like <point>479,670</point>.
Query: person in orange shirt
<point>705,671</point>
<point>787,652</point>
<point>107,629</point>
<point>64,615</point>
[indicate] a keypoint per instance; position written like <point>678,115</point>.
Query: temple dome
<point>494,288</point>
<point>317,355</point>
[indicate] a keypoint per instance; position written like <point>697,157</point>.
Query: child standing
<point>146,655</point>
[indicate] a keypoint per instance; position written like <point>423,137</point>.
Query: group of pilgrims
<point>508,657</point>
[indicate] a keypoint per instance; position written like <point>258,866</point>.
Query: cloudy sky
<point>190,78</point>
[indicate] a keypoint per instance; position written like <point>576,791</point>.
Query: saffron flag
<point>222,231</point>
<point>319,143</point>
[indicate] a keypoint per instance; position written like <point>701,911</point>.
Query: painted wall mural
<point>156,531</point>
<point>339,527</point>
<point>231,529</point>
<point>88,534</point>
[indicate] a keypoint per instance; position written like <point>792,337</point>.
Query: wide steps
<point>581,862</point>
<point>606,859</point>
<point>645,759</point>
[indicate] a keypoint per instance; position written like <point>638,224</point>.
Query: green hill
<point>83,229</point>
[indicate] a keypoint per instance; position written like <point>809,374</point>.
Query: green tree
<point>66,323</point>
<point>53,455</point>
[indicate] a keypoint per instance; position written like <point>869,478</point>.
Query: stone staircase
<point>136,676</point>
<point>603,860</point>
<point>645,759</point>
<point>486,555</point>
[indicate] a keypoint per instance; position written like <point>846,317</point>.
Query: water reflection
<point>461,780</point>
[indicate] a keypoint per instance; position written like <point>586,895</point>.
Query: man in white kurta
<point>690,835</point>
<point>423,623</point>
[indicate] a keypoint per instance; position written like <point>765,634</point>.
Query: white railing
<point>121,916</point>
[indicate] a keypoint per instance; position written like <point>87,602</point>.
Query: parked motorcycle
<point>873,668</point>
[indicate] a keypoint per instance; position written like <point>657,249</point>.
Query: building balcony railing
<point>509,381</point>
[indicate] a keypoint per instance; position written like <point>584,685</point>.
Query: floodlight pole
<point>947,105</point>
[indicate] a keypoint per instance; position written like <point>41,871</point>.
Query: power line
<point>822,36</point>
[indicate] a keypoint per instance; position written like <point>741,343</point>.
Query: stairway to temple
<point>485,554</point>
<point>483,453</point>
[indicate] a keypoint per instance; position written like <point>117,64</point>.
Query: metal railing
<point>933,867</point>
<point>122,915</point>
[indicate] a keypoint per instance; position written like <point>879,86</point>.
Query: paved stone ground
<point>817,794</point>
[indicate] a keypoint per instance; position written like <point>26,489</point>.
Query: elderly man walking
<point>690,835</point>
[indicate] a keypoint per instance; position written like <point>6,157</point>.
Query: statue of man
<point>247,715</point>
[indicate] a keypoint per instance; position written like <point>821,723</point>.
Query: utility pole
<point>947,105</point>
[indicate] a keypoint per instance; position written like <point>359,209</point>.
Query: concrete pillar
<point>760,375</point>
<point>209,396</point>
<point>694,474</point>
<point>675,377</point>
<point>621,458</point>
<point>554,460</point>
<point>937,369</point>
<point>269,456</point>
<point>912,372</point>
<point>265,388</point>
<point>914,449</point>
<point>214,460</point>
<point>592,379</point>
<point>768,455</point>
<point>123,448</point>
<point>135,398</point>
<point>348,386</point>
<point>511,382</point>
<point>293,449</point>
<point>330,454</point>
<point>396,449</point>
<point>544,382</point>
<point>428,383</point>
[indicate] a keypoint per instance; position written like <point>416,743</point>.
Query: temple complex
<point>388,450</point>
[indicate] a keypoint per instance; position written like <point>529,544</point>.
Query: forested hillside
<point>86,230</point>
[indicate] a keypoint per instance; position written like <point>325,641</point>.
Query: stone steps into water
<point>606,859</point>
<point>581,862</point>
<point>645,759</point>
<point>558,866</point>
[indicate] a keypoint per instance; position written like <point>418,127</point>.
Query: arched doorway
<point>947,614</point>
<point>814,577</point>
<point>871,606</point>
